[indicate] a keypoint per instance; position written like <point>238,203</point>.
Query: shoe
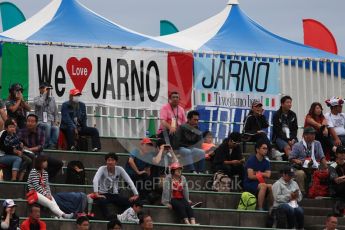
<point>68,216</point>
<point>95,149</point>
<point>73,148</point>
<point>194,172</point>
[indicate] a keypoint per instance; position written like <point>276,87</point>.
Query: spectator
<point>257,169</point>
<point>139,165</point>
<point>172,115</point>
<point>38,182</point>
<point>176,194</point>
<point>164,157</point>
<point>33,139</point>
<point>208,146</point>
<point>13,146</point>
<point>146,222</point>
<point>336,120</point>
<point>255,123</point>
<point>47,113</point>
<point>331,222</point>
<point>83,223</point>
<point>286,195</point>
<point>73,122</point>
<point>114,224</point>
<point>106,185</point>
<point>34,222</point>
<point>16,105</point>
<point>131,214</point>
<point>285,127</point>
<point>9,218</point>
<point>317,120</point>
<point>306,154</point>
<point>3,114</point>
<point>189,140</point>
<point>228,156</point>
<point>337,174</point>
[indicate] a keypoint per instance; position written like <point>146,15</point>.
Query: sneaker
<point>73,148</point>
<point>95,149</point>
<point>68,216</point>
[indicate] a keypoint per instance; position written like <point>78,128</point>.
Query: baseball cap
<point>334,101</point>
<point>146,140</point>
<point>256,103</point>
<point>45,85</point>
<point>288,170</point>
<point>309,130</point>
<point>74,92</point>
<point>8,203</point>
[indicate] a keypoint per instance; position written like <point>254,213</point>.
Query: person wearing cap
<point>9,218</point>
<point>285,127</point>
<point>47,113</point>
<point>139,166</point>
<point>34,221</point>
<point>73,122</point>
<point>336,120</point>
<point>176,194</point>
<point>16,106</point>
<point>228,156</point>
<point>337,174</point>
<point>255,123</point>
<point>287,195</point>
<point>106,186</point>
<point>307,154</point>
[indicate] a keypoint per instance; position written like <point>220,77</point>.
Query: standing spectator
<point>257,169</point>
<point>285,127</point>
<point>306,154</point>
<point>172,115</point>
<point>131,214</point>
<point>106,185</point>
<point>287,194</point>
<point>337,173</point>
<point>39,184</point>
<point>3,114</point>
<point>336,120</point>
<point>146,222</point>
<point>73,122</point>
<point>208,146</point>
<point>189,140</point>
<point>9,218</point>
<point>34,222</point>
<point>47,113</point>
<point>33,139</point>
<point>331,222</point>
<point>114,224</point>
<point>83,223</point>
<point>16,105</point>
<point>317,120</point>
<point>176,194</point>
<point>228,156</point>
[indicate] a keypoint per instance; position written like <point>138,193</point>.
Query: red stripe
<point>273,104</point>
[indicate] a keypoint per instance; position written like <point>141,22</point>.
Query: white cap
<point>233,2</point>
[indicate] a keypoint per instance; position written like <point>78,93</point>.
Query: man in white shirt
<point>336,120</point>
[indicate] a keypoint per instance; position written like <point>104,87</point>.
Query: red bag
<point>32,197</point>
<point>320,183</point>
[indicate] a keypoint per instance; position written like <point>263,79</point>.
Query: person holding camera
<point>16,105</point>
<point>47,113</point>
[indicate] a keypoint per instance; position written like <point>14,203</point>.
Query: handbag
<point>32,197</point>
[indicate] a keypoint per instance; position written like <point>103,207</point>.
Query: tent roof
<point>233,31</point>
<point>68,21</point>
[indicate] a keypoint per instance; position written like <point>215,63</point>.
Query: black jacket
<point>278,125</point>
<point>188,136</point>
<point>253,124</point>
<point>222,153</point>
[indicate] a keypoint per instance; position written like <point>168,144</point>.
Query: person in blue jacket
<point>73,122</point>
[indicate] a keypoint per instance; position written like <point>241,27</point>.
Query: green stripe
<point>203,97</point>
<point>267,102</point>
<point>15,67</point>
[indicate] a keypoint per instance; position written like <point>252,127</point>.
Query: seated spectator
<point>255,123</point>
<point>83,223</point>
<point>176,194</point>
<point>306,154</point>
<point>189,140</point>
<point>337,174</point>
<point>208,146</point>
<point>114,224</point>
<point>73,122</point>
<point>257,169</point>
<point>13,146</point>
<point>146,222</point>
<point>16,106</point>
<point>9,218</point>
<point>48,115</point>
<point>331,222</point>
<point>317,120</point>
<point>139,165</point>
<point>34,222</point>
<point>39,184</point>
<point>287,194</point>
<point>33,139</point>
<point>106,185</point>
<point>164,157</point>
<point>228,156</point>
<point>131,214</point>
<point>336,121</point>
<point>285,127</point>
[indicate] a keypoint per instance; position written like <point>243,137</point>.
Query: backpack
<point>221,182</point>
<point>75,173</point>
<point>320,183</point>
<point>247,201</point>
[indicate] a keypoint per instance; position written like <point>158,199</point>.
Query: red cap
<point>146,140</point>
<point>74,92</point>
<point>175,165</point>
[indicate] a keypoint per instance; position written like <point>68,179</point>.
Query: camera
<point>167,147</point>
